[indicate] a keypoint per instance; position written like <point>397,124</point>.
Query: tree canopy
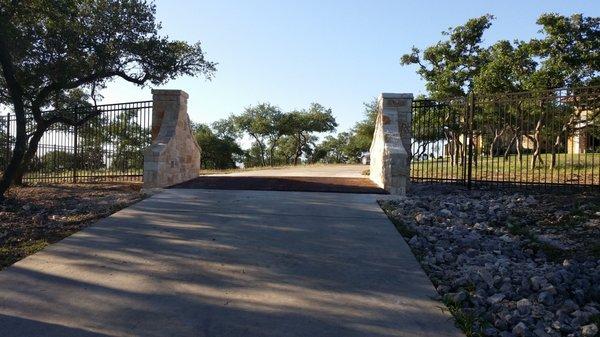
<point>276,137</point>
<point>566,54</point>
<point>218,151</point>
<point>49,48</point>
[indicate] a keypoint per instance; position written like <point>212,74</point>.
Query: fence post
<point>75,160</point>
<point>471,112</point>
<point>7,158</point>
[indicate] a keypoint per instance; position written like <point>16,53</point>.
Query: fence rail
<point>532,138</point>
<point>107,146</point>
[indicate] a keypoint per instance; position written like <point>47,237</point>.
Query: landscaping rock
<point>506,259</point>
<point>524,306</point>
<point>589,330</point>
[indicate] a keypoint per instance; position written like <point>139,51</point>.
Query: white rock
<point>589,330</point>
<point>496,298</point>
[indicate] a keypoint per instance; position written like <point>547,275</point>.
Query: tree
<point>128,137</point>
<point>302,123</point>
<point>50,47</point>
<point>286,150</point>
<point>509,69</point>
<point>218,152</point>
<point>278,136</point>
<point>569,56</point>
<point>449,67</point>
<point>5,140</point>
<point>263,123</point>
<point>569,51</point>
<point>57,160</point>
<point>333,149</point>
<point>361,135</point>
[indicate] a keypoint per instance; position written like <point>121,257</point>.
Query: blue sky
<point>337,53</point>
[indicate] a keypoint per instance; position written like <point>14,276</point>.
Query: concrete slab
<point>227,263</point>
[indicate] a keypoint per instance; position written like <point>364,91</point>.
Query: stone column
<point>174,155</point>
<point>391,146</point>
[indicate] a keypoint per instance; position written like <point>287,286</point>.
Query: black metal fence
<point>530,138</point>
<point>106,147</point>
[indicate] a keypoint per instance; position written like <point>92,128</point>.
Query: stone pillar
<point>391,146</point>
<point>174,155</point>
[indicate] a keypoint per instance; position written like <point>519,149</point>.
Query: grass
<point>570,169</point>
<point>12,254</point>
<point>472,325</point>
<point>553,253</point>
<point>595,319</point>
<point>61,176</point>
<point>595,250</point>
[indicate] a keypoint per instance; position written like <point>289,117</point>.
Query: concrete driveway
<point>227,263</point>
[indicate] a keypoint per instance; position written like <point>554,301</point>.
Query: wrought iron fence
<point>531,138</point>
<point>107,146</point>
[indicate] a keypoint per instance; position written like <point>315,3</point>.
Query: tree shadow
<point>230,263</point>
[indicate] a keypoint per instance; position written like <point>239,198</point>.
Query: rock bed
<point>506,263</point>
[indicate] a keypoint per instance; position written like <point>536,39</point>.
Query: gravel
<point>507,263</point>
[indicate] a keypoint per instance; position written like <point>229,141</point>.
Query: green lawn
<point>84,175</point>
<point>570,169</point>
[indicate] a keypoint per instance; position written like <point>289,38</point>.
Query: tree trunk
<point>271,154</point>
<point>518,146</point>
<point>298,149</point>
<point>554,149</point>
<point>475,141</point>
<point>457,145</point>
<point>262,149</point>
<point>16,94</point>
<point>17,156</point>
<point>506,152</point>
<point>497,135</point>
<point>29,154</point>
<point>536,145</point>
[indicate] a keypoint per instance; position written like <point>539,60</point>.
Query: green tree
<point>303,123</point>
<point>285,151</point>
<point>569,51</point>
<point>50,47</point>
<point>128,137</point>
<point>217,152</point>
<point>509,69</point>
<point>569,54</point>
<point>263,123</point>
<point>361,135</point>
<point>449,67</point>
<point>5,141</point>
<point>56,161</point>
<point>333,149</point>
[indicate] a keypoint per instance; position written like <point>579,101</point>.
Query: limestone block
<point>390,149</point>
<point>174,155</point>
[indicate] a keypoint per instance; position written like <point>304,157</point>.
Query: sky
<point>337,53</point>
